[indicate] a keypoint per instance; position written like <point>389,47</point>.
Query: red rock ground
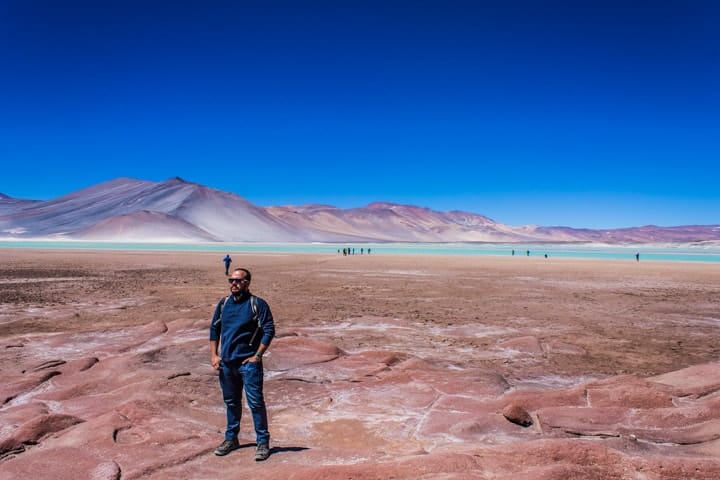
<point>384,367</point>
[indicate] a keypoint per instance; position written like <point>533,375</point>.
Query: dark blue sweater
<point>236,328</point>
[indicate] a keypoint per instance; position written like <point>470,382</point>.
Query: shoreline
<point>692,253</point>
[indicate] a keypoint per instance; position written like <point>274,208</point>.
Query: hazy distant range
<point>131,210</point>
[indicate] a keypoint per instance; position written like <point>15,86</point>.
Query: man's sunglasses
<point>236,280</point>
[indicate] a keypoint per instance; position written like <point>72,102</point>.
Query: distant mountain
<point>110,210</point>
<point>175,210</point>
<point>9,204</point>
<point>389,222</point>
<point>144,226</point>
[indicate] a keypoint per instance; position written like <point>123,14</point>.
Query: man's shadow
<point>274,450</point>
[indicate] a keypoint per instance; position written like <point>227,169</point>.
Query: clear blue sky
<point>582,113</point>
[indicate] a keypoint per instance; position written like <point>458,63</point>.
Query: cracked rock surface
<point>401,367</point>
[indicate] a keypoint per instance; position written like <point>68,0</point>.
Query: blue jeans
<point>233,378</point>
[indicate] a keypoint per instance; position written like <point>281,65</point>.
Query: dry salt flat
<point>385,366</point>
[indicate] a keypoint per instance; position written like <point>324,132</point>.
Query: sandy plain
<point>384,366</point>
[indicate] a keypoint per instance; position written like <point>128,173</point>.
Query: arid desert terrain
<point>384,367</point>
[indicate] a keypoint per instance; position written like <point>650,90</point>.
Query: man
<point>243,327</point>
<point>227,260</point>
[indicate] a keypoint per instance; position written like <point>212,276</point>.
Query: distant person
<point>513,252</point>
<point>227,261</point>
<point>368,250</point>
<point>241,330</point>
<point>527,252</point>
<point>546,255</point>
<point>637,257</point>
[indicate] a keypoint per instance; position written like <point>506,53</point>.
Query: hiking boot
<point>226,447</point>
<point>262,452</point>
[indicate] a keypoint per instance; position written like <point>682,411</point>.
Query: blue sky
<point>596,114</point>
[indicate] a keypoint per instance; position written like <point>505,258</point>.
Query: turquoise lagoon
<point>670,253</point>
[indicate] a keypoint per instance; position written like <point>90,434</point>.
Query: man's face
<point>238,284</point>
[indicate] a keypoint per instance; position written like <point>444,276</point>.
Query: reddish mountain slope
<point>127,209</point>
